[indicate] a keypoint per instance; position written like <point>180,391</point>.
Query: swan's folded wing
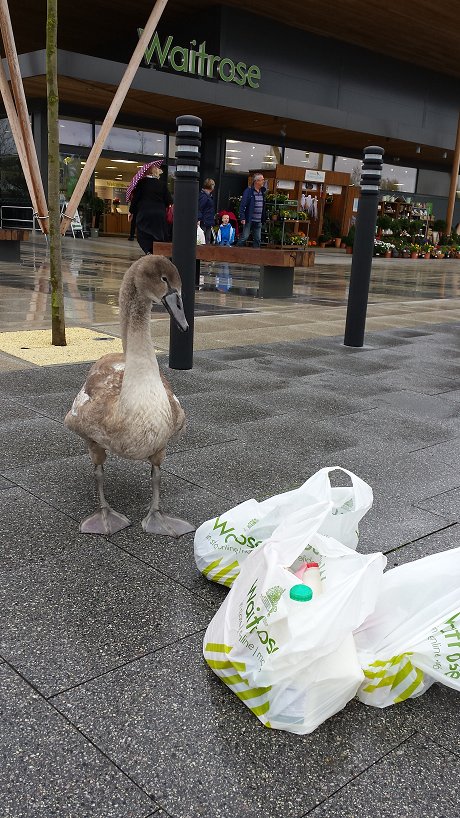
<point>178,413</point>
<point>101,388</point>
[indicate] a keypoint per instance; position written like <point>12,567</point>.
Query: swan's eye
<point>163,278</point>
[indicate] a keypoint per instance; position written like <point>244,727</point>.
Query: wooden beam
<point>16,131</point>
<point>453,181</point>
<point>112,113</point>
<point>25,128</point>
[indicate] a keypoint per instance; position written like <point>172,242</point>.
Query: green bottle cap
<point>301,593</point>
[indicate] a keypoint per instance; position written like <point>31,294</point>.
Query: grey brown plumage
<point>126,406</point>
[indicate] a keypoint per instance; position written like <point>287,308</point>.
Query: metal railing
<point>18,216</point>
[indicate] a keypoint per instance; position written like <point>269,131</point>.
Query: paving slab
<point>197,750</point>
<point>35,440</point>
<point>418,779</point>
<point>42,380</point>
<point>442,540</point>
<point>436,715</point>
<point>74,605</point>
<point>392,523</point>
<point>447,504</point>
<point>11,410</point>
<point>425,406</point>
<point>50,769</point>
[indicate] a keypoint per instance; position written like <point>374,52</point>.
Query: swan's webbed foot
<point>106,521</point>
<point>157,523</point>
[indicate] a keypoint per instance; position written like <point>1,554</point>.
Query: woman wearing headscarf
<point>148,204</point>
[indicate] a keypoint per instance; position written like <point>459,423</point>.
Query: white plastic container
<point>309,574</point>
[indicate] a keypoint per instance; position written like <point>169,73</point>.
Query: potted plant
<point>349,240</point>
<point>383,223</point>
<point>323,239</point>
<point>426,250</point>
<point>414,250</point>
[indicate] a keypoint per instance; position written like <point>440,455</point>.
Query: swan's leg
<point>106,520</point>
<point>157,523</point>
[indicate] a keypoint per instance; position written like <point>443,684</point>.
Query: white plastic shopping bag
<point>412,638</point>
<point>222,544</point>
<point>200,237</point>
<point>294,664</point>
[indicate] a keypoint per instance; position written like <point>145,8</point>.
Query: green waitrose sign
<point>196,61</point>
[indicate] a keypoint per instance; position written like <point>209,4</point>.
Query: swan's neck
<point>141,364</point>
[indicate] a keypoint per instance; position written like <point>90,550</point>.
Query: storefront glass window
<point>241,157</point>
<point>70,167</point>
<point>127,140</point>
<point>308,159</point>
<point>394,177</point>
<point>72,132</point>
<point>13,187</point>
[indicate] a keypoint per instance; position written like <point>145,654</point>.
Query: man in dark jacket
<point>252,211</point>
<point>207,208</point>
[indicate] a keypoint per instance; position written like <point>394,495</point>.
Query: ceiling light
<point>127,161</point>
<point>444,156</point>
<point>417,149</point>
<point>233,141</point>
<point>110,167</point>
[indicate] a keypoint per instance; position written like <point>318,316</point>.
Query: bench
<point>10,243</point>
<point>276,266</point>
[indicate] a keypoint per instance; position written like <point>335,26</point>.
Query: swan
<point>125,405</point>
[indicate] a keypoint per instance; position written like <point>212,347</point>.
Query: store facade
<point>268,94</point>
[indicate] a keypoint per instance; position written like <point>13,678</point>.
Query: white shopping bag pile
<point>382,636</point>
<point>412,638</point>
<point>223,543</point>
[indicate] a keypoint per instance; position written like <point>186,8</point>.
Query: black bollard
<point>186,190</point>
<point>363,247</point>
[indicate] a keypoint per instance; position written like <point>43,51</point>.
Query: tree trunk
<point>57,296</point>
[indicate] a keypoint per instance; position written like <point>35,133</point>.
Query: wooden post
<point>453,181</point>
<point>23,114</point>
<point>112,113</point>
<point>16,131</point>
<point>57,292</point>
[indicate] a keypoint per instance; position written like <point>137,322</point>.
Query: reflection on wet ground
<point>92,271</point>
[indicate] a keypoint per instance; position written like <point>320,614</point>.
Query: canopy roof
<point>425,33</point>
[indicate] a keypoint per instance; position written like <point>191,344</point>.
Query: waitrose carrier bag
<point>294,664</point>
<point>222,544</point>
<point>412,638</point>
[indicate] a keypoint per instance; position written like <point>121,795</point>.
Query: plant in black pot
<point>349,239</point>
<point>92,208</point>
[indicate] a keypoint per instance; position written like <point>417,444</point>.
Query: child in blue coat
<point>225,236</point>
<point>226,233</point>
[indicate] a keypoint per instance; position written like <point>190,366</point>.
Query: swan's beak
<point>173,303</point>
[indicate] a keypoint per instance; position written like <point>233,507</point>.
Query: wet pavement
<point>93,269</point>
<point>108,710</point>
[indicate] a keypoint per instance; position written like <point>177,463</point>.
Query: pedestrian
<point>226,233</point>
<point>148,202</point>
<point>206,208</point>
<point>252,211</point>
<point>225,237</point>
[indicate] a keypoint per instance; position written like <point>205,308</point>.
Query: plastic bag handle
<point>362,490</point>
